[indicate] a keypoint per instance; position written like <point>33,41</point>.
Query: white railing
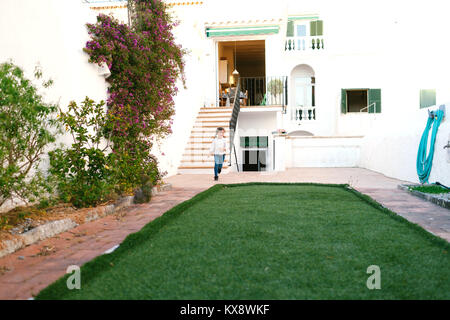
<point>303,114</point>
<point>368,110</point>
<point>304,43</point>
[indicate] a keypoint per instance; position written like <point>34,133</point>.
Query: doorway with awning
<point>242,61</point>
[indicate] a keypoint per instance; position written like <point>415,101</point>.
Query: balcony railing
<point>304,43</point>
<point>303,114</point>
<point>265,91</point>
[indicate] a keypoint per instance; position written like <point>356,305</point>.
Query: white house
<point>350,75</point>
<point>343,78</point>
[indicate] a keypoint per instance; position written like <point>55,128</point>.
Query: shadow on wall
<point>300,133</point>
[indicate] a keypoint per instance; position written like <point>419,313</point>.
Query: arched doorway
<point>303,100</point>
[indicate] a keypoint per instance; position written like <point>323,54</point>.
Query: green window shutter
<point>290,29</point>
<point>343,101</point>
<point>263,142</point>
<point>374,97</point>
<point>253,142</point>
<point>313,28</point>
<point>319,28</point>
<point>427,98</point>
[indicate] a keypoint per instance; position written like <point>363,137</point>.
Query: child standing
<point>218,148</point>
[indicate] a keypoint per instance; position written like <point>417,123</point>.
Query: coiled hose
<point>425,162</point>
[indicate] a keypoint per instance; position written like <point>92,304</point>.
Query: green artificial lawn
<point>431,189</point>
<point>269,241</point>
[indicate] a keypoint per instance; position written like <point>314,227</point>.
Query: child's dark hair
<point>219,129</point>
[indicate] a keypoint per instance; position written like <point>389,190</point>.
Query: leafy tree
<point>26,128</point>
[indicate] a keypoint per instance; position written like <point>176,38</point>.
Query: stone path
<point>428,215</point>
<point>27,271</point>
<point>33,268</point>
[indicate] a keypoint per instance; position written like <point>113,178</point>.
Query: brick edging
<point>53,228</point>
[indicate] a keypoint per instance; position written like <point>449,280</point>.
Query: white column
<point>280,152</point>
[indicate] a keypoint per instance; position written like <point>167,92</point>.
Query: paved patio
<point>27,271</point>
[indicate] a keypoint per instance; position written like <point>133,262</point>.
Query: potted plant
<point>275,88</point>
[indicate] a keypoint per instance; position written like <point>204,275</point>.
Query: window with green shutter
<point>316,28</point>
<point>319,27</point>
<point>361,100</point>
<point>254,142</point>
<point>290,29</point>
<point>313,28</point>
<point>427,98</point>
<point>374,101</point>
<point>343,101</point>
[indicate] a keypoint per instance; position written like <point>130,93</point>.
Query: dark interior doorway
<point>254,160</point>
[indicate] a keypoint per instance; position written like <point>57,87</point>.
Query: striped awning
<point>239,31</point>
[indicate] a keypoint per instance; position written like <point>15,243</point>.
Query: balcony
<point>305,43</point>
<point>265,91</point>
<point>302,114</point>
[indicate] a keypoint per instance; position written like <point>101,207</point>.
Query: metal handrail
<point>233,122</point>
<point>260,90</point>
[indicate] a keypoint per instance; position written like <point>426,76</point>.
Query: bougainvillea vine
<point>145,64</point>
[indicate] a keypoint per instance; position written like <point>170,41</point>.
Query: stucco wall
<point>393,145</point>
<point>200,73</point>
<point>257,124</point>
<point>52,33</point>
<point>323,152</point>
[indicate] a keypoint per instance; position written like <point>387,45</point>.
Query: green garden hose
<point>425,162</point>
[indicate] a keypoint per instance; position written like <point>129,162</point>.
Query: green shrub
<point>81,172</point>
<point>26,125</point>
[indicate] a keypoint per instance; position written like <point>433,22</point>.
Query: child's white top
<point>217,146</point>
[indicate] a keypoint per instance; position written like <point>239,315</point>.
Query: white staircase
<point>196,157</point>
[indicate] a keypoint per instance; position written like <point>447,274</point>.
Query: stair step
<point>192,161</point>
<point>216,108</point>
<point>212,122</point>
<point>204,136</point>
<point>222,122</point>
<point>194,142</point>
<point>205,131</point>
<point>206,170</point>
<point>215,111</point>
<point>198,160</point>
<point>198,156</point>
<point>204,126</point>
<point>206,154</point>
<point>209,130</point>
<point>200,167</point>
<point>197,153</point>
<point>215,117</point>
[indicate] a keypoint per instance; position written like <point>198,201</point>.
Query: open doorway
<point>248,58</point>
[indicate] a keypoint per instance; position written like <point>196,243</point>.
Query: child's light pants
<point>218,162</point>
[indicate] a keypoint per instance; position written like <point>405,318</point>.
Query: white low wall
<point>323,151</point>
